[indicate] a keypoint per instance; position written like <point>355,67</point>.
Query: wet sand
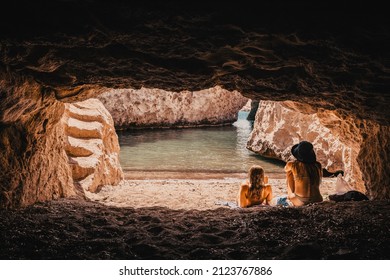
<point>167,219</point>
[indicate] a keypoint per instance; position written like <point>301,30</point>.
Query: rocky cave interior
<point>331,60</point>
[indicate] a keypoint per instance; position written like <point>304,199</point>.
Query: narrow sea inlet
<point>206,149</point>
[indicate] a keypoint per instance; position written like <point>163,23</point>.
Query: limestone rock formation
<point>91,145</point>
<point>248,106</point>
<point>132,108</point>
<point>280,125</point>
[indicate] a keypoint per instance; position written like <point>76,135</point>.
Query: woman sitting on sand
<point>255,191</point>
<point>303,177</point>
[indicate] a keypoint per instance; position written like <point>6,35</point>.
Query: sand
<point>188,193</point>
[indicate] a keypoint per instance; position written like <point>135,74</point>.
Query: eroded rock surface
<point>41,139</point>
<point>132,108</point>
<point>360,148</point>
<point>280,125</point>
<point>332,57</point>
<point>33,163</point>
<point>91,145</point>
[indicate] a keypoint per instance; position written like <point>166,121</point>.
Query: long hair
<point>313,170</point>
<point>256,177</point>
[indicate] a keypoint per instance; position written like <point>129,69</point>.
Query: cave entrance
<point>186,168</point>
<point>173,162</point>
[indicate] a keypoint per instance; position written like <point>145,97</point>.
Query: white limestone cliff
<point>145,107</point>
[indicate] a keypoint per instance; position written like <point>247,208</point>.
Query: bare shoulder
<point>244,185</point>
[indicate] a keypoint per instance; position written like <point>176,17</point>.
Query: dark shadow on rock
<point>328,174</point>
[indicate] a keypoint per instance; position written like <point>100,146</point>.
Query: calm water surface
<point>211,149</point>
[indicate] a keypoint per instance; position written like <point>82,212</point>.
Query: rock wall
<point>91,145</point>
<point>36,157</point>
<point>132,108</point>
<point>359,147</point>
<point>33,163</point>
<point>373,159</point>
<point>280,125</point>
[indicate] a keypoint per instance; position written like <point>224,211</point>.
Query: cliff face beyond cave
<point>331,59</point>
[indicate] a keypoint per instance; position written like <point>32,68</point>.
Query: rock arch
<point>282,51</point>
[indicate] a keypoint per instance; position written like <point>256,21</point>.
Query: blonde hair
<point>256,177</point>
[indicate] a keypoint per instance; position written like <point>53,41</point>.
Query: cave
<point>327,59</point>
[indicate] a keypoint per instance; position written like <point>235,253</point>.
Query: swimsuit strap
<point>301,197</point>
<point>301,177</point>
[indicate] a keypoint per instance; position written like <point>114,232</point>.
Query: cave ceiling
<point>332,55</point>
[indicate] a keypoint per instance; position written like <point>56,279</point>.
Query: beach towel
<point>233,204</point>
<point>230,204</point>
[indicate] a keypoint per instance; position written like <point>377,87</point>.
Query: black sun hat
<point>304,152</point>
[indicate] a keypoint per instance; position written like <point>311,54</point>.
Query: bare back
<point>303,187</point>
<point>249,197</point>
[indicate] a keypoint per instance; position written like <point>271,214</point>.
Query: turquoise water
<point>211,149</point>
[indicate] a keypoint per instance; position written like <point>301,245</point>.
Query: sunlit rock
<point>92,145</point>
<point>33,163</point>
<point>279,125</point>
<point>45,144</point>
<point>159,108</point>
<point>338,141</point>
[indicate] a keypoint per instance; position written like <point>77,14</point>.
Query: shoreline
<point>201,175</point>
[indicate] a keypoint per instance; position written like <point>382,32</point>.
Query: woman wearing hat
<point>303,177</point>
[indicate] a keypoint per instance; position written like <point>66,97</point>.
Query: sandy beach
<point>186,190</point>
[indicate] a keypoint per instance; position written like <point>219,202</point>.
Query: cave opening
<point>196,156</point>
<point>324,64</point>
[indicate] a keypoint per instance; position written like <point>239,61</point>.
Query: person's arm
<point>242,199</point>
<point>269,196</point>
